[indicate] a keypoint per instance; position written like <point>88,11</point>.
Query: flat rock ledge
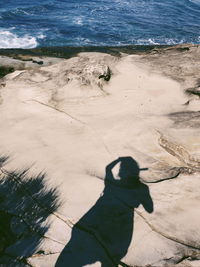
<point>100,159</point>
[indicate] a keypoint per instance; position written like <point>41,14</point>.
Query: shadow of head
<point>124,172</point>
<point>129,169</point>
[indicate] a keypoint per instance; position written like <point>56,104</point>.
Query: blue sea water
<point>28,24</point>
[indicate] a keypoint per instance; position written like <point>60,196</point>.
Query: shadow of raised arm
<point>109,167</point>
<point>146,199</point>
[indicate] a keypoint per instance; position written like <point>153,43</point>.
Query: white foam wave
<point>41,36</point>
<point>195,1</point>
<point>11,40</point>
<point>78,21</point>
<point>164,41</point>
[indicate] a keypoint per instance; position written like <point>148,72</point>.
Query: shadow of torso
<point>104,233</point>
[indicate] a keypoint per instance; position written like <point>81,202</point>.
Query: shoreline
<point>70,51</point>
<point>12,59</point>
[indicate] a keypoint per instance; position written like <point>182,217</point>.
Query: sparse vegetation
<point>4,70</point>
<point>25,205</point>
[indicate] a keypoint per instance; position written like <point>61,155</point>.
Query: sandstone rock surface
<point>89,134</point>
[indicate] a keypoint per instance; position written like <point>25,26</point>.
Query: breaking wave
<point>12,40</point>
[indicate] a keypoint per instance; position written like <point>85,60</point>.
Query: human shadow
<point>105,232</point>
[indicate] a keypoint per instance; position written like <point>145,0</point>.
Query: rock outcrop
<point>118,139</point>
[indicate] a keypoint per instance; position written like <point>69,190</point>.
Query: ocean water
<point>29,24</point>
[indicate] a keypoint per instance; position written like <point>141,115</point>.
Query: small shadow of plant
<point>194,90</point>
<point>25,205</point>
